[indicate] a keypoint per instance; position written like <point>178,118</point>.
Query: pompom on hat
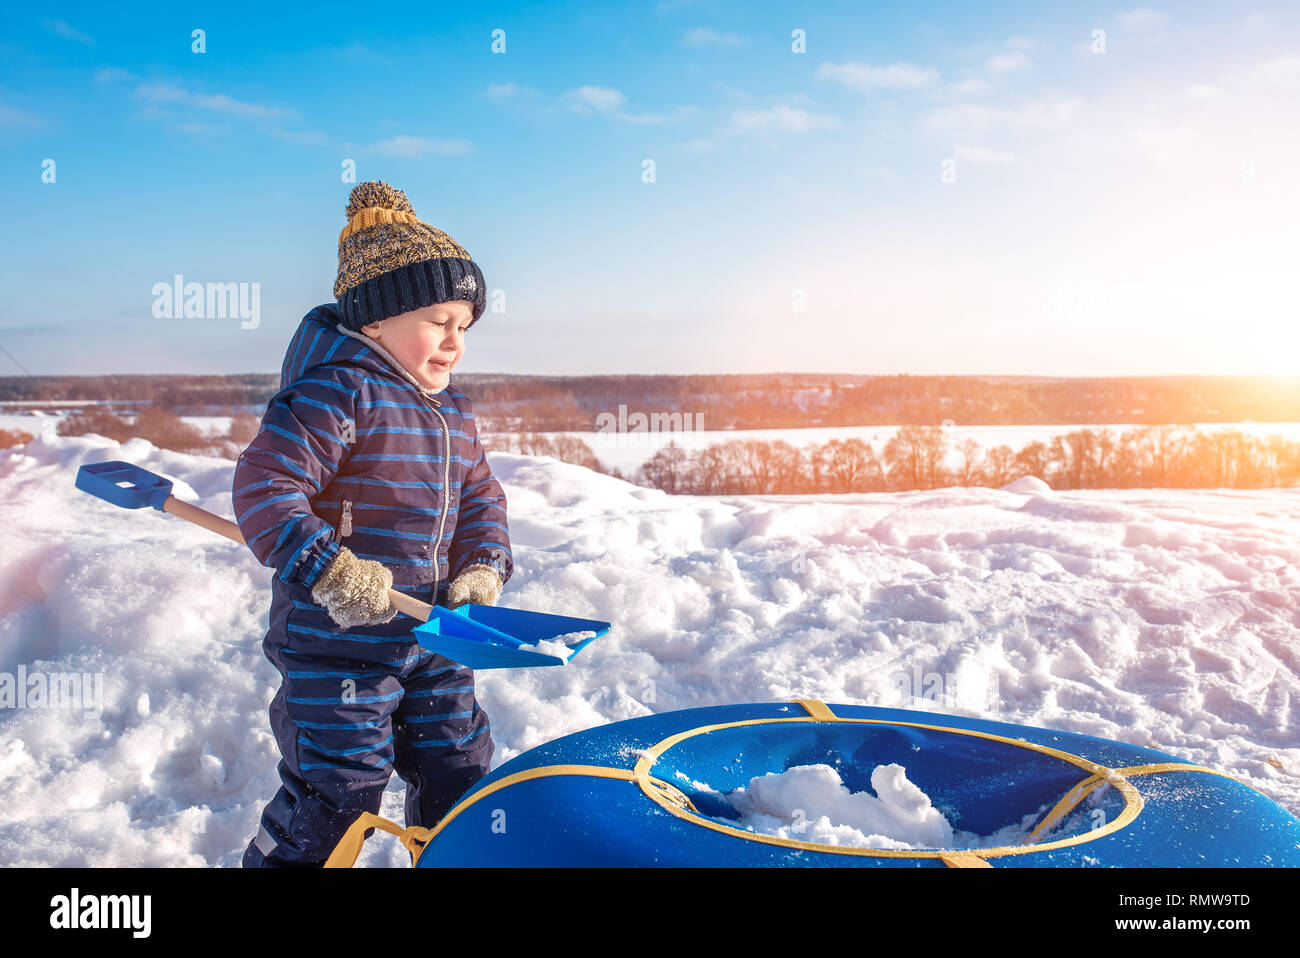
<point>390,262</point>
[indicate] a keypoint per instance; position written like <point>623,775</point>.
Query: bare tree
<point>565,448</point>
<point>243,428</point>
<point>98,421</point>
<point>789,468</point>
<point>1066,455</point>
<point>1001,466</point>
<point>1085,457</point>
<point>168,431</point>
<point>915,456</point>
<point>1032,459</point>
<point>756,466</point>
<point>574,450</point>
<point>1164,446</point>
<point>845,464</point>
<point>666,469</point>
<point>905,457</point>
<point>718,470</point>
<point>971,472</point>
<point>1129,468</point>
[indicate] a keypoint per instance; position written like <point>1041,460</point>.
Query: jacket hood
<point>319,341</point>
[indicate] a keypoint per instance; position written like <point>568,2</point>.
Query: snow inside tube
<point>653,791</point>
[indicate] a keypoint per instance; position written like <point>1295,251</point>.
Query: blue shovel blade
<point>489,637</point>
<point>123,484</point>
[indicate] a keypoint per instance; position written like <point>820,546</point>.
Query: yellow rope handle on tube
<point>349,847</point>
<point>1086,787</point>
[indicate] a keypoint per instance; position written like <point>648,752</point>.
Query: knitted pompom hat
<point>390,262</point>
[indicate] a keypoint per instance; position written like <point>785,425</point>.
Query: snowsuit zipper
<point>345,526</point>
<point>446,492</point>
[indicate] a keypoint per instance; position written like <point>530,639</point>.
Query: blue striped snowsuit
<point>351,453</point>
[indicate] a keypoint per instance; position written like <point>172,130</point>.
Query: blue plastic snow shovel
<point>477,636</point>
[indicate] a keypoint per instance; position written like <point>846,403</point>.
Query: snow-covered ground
<point>1163,618</point>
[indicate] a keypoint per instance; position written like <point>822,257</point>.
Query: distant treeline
<point>164,429</point>
<point>755,401</point>
<point>915,458</point>
<point>183,395</point>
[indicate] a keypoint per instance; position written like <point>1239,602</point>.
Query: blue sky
<point>926,188</point>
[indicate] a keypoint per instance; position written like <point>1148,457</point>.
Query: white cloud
<point>733,92</point>
<point>69,32</point>
<point>359,51</point>
<point>663,6</point>
<point>161,92</point>
<point>699,147</point>
<point>973,119</point>
<point>110,74</point>
<point>641,118</point>
<point>1008,62</point>
<point>1203,93</point>
<point>983,156</point>
<point>13,117</point>
<point>203,129</point>
<point>598,98</point>
<point>781,119</point>
<point>1143,17</point>
<point>1021,43</point>
<point>164,93</point>
<point>704,37</point>
<point>215,102</point>
<point>1283,72</point>
<point>413,146</point>
<point>972,86</point>
<point>524,96</point>
<point>865,78</point>
<point>300,137</point>
<point>221,103</point>
<point>1257,22</point>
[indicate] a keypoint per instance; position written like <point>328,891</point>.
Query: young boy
<point>367,474</point>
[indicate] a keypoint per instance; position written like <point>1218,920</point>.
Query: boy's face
<point>423,337</point>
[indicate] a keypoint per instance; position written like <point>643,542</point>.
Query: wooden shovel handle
<point>224,527</point>
<point>201,517</point>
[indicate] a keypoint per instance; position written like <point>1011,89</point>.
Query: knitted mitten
<point>355,591</point>
<point>480,584</point>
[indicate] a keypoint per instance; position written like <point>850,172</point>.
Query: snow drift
<point>1165,618</point>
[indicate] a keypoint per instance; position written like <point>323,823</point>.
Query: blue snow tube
<point>648,792</point>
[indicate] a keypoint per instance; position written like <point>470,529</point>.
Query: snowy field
<point>1167,619</point>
